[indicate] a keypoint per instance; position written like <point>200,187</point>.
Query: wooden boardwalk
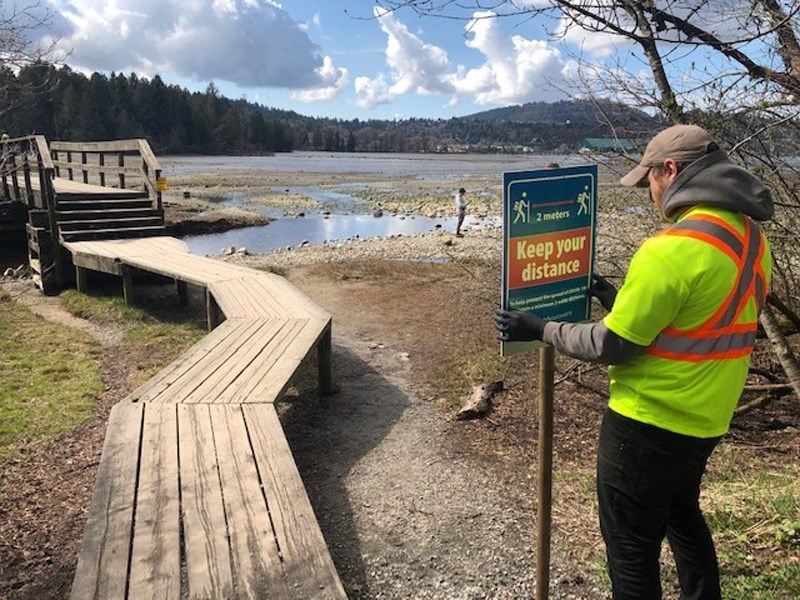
<point>197,493</point>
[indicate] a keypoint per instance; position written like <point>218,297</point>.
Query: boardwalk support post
<point>325,362</point>
<point>80,280</point>
<point>127,286</point>
<point>183,292</point>
<point>213,312</point>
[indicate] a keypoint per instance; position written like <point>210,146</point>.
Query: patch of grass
<point>754,515</point>
<point>158,344</point>
<point>154,335</point>
<point>277,270</point>
<point>49,378</point>
<point>102,309</point>
<point>485,366</point>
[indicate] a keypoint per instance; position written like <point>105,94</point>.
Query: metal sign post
<point>548,258</point>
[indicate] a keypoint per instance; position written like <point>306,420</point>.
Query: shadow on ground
<point>329,436</point>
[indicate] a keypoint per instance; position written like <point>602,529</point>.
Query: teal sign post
<point>548,244</point>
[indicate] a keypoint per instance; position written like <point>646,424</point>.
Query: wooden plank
<point>227,299</point>
<point>103,561</point>
<point>306,561</point>
<point>233,364</point>
<point>265,294</point>
<point>220,368</point>
<point>147,154</point>
<point>169,374</point>
<point>240,390</point>
<point>91,249</point>
<point>98,168</point>
<point>274,381</point>
<point>189,268</point>
<point>208,561</point>
<point>67,187</point>
<point>298,298</point>
<point>249,298</point>
<point>131,145</point>
<point>232,294</point>
<point>155,570</point>
<point>150,246</point>
<point>292,303</point>
<point>254,550</point>
<point>183,380</point>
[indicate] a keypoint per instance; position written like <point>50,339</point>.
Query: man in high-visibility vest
<point>678,336</point>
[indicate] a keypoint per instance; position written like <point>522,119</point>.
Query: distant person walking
<point>461,209</point>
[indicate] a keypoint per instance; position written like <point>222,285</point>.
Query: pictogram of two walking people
<point>678,338</point>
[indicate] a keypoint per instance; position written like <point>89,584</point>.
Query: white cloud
<point>372,92</point>
<point>417,67</point>
<point>333,81</point>
<point>315,22</point>
<point>251,43</point>
<point>597,44</point>
<point>515,70</point>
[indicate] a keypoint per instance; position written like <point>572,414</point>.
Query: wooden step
<point>112,234</point>
<point>99,194</point>
<point>103,204</point>
<point>92,214</point>
<point>108,224</point>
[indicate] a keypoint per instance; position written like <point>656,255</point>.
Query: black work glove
<point>518,325</point>
<point>604,291</point>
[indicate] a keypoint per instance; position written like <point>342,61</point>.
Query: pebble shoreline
<point>618,234</point>
<point>438,246</point>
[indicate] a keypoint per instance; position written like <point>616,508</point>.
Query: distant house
<point>608,145</point>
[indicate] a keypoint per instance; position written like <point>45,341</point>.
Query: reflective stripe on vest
<point>720,337</point>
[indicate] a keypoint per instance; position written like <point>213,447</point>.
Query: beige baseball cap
<point>682,143</point>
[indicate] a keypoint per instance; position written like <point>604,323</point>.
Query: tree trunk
<point>782,349</point>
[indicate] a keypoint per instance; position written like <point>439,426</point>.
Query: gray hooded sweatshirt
<point>713,180</point>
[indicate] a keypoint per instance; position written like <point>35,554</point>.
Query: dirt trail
<point>408,510</point>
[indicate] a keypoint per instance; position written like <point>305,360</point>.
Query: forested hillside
<point>66,105</point>
<point>585,112</point>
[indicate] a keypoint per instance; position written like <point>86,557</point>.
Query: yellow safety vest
<point>692,296</point>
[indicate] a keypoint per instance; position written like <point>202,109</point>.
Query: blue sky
<point>333,58</point>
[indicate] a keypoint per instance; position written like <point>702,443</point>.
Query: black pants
<point>648,487</point>
<point>461,214</point>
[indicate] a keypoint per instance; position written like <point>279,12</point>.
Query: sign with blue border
<point>548,244</point>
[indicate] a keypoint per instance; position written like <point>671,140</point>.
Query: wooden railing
<point>123,164</point>
<point>27,177</point>
<point>20,160</point>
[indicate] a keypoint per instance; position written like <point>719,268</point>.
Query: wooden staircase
<point>83,218</point>
<point>109,192</point>
<point>77,192</point>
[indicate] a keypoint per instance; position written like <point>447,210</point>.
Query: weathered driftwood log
<point>782,348</point>
<point>479,400</point>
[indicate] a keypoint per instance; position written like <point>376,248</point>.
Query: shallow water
<point>350,216</point>
<point>316,229</point>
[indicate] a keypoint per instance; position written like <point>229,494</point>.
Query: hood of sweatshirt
<point>715,180</point>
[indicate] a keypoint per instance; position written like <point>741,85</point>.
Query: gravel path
<point>407,505</point>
